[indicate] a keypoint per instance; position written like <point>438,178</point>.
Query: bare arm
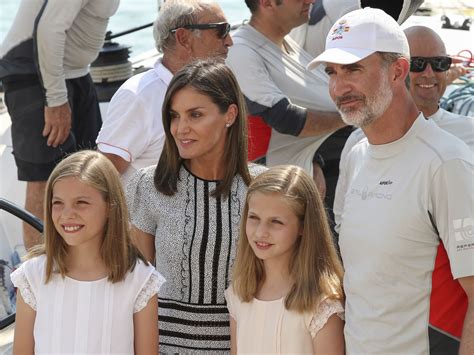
<point>467,340</point>
<point>145,327</point>
<point>233,336</point>
<point>321,122</point>
<point>330,339</point>
<point>145,242</point>
<point>24,342</point>
<point>120,163</point>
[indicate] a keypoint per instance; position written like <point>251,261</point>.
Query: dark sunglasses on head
<point>222,28</point>
<point>418,64</point>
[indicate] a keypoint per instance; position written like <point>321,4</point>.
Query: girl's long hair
<point>314,266</point>
<point>215,80</point>
<point>118,253</point>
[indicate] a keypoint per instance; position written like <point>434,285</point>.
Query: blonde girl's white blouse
<point>267,327</point>
<point>84,317</point>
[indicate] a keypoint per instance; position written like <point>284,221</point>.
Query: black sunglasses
<point>222,28</point>
<point>418,64</point>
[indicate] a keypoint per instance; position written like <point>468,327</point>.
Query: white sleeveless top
<point>84,317</point>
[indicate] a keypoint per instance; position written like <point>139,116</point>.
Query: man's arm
<point>467,339</point>
<point>126,128</point>
<point>50,30</point>
<point>321,122</point>
<point>288,118</point>
<point>452,194</point>
<point>120,163</point>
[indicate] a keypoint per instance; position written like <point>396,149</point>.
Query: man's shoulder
<point>442,144</point>
<point>247,40</point>
<point>143,83</point>
<point>451,116</point>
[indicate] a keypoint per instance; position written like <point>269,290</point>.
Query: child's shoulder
<point>256,169</point>
<point>34,264</point>
<point>142,272</point>
<point>144,267</point>
<point>326,308</point>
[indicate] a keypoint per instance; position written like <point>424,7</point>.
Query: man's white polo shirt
<point>133,127</point>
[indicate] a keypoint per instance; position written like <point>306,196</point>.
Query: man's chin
<point>356,119</point>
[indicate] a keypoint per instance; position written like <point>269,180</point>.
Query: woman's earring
<point>228,125</point>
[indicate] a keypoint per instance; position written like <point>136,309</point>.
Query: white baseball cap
<point>360,33</point>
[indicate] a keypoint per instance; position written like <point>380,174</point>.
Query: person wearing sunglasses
<point>429,72</point>
<point>426,81</point>
<point>132,134</point>
<point>407,188</point>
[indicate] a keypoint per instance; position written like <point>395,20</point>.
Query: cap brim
<point>340,56</point>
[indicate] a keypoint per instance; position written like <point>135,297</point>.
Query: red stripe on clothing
<point>448,302</point>
<point>259,137</point>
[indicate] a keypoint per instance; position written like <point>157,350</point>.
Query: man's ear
<point>267,3</point>
<point>183,38</point>
<point>401,69</point>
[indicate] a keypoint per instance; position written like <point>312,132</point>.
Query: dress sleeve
<point>21,282</point>
<point>151,288</point>
<point>229,297</point>
<point>325,310</point>
<point>140,198</point>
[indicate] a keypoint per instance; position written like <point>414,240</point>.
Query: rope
<point>110,73</point>
<point>461,100</point>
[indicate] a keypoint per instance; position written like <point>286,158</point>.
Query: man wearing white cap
<point>409,184</point>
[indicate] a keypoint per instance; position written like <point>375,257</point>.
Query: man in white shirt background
<point>408,186</point>
<point>132,135</point>
<point>427,82</point>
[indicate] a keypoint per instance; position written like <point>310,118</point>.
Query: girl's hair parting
<point>117,251</point>
<point>314,266</point>
<point>214,79</point>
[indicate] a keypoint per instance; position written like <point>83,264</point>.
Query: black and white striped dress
<point>195,240</point>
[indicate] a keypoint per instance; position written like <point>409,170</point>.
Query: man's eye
<point>276,221</point>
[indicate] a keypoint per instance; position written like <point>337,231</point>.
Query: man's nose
<point>228,42</point>
<point>428,70</point>
<point>339,86</point>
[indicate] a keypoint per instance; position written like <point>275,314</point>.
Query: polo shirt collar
<point>162,71</point>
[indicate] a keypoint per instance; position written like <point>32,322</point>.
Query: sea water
<point>131,14</point>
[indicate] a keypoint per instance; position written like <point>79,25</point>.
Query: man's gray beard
<point>375,107</point>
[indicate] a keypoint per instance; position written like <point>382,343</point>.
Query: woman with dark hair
<point>186,211</point>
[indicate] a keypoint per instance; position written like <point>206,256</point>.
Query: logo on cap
<point>339,30</point>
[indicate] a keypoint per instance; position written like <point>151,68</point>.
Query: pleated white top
<point>267,327</point>
<point>84,317</point>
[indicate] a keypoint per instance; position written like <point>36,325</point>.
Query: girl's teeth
<point>71,228</point>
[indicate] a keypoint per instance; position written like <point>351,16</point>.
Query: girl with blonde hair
<point>286,294</point>
<point>87,289</point>
<point>186,210</point>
